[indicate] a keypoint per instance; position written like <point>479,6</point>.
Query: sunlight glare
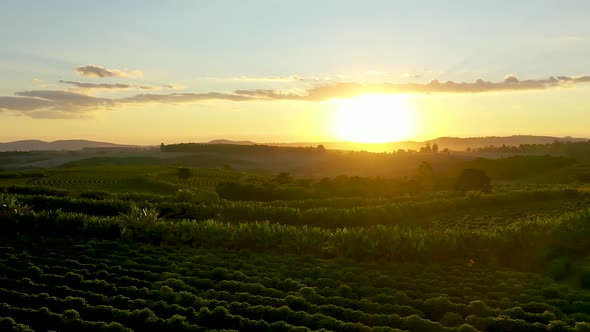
<point>373,119</point>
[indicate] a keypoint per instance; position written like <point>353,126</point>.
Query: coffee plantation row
<point>99,285</point>
<point>440,212</point>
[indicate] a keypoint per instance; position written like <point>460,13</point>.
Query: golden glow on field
<point>373,119</point>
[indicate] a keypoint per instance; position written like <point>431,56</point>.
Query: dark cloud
<point>97,85</point>
<point>98,71</point>
<point>23,103</point>
<point>68,101</point>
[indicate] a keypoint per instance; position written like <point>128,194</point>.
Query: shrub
<point>451,319</point>
<point>559,267</point>
<point>183,172</point>
<point>296,303</point>
<point>473,179</point>
<point>585,276</point>
<point>466,328</point>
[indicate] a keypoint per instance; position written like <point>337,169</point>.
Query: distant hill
<point>69,145</point>
<point>458,143</point>
<point>227,141</point>
<point>452,143</point>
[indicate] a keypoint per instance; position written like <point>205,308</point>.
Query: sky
<point>145,72</point>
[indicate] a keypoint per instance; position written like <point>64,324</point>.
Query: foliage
<point>142,287</point>
<point>473,179</point>
<point>183,173</point>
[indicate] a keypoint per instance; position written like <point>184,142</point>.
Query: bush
<point>473,179</point>
<point>559,268</point>
<point>451,319</point>
<point>466,328</point>
<point>183,173</point>
<point>585,276</point>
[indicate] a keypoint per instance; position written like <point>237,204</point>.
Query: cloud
<point>181,98</point>
<point>97,85</point>
<point>63,104</point>
<point>572,39</point>
<point>412,75</point>
<point>23,104</point>
<point>36,81</point>
<point>173,87</point>
<point>98,71</point>
<point>66,101</point>
<point>347,90</point>
<point>292,78</point>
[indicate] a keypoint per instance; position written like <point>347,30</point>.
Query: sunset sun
<point>373,119</point>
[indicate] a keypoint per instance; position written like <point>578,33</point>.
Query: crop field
<point>80,285</point>
<point>137,248</point>
<point>144,178</point>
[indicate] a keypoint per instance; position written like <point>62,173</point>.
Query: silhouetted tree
<point>435,148</point>
<point>473,179</point>
<point>426,175</point>
<point>283,178</point>
<point>426,149</point>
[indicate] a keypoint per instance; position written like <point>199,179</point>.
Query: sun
<point>373,119</point>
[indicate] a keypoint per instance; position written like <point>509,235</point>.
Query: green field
<point>140,248</point>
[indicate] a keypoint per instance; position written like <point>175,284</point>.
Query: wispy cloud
<point>173,87</point>
<point>101,72</point>
<point>412,75</point>
<point>97,85</point>
<point>36,81</point>
<point>292,78</point>
<point>347,90</point>
<point>23,103</point>
<point>573,39</point>
<point>41,103</point>
<point>181,98</point>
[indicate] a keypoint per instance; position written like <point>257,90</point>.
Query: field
<point>146,248</point>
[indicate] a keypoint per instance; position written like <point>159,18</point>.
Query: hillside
<point>70,145</point>
<point>452,143</point>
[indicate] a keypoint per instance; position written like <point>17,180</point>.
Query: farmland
<point>143,247</point>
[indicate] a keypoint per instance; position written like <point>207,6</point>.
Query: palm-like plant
<point>11,207</point>
<point>139,220</point>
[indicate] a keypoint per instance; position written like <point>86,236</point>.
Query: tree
<point>426,149</point>
<point>435,148</point>
<point>473,179</point>
<point>321,147</point>
<point>426,175</point>
<point>183,173</point>
<point>283,178</point>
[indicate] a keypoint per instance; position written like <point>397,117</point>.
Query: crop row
<point>148,303</point>
<point>270,276</point>
<point>475,212</point>
<point>524,245</point>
